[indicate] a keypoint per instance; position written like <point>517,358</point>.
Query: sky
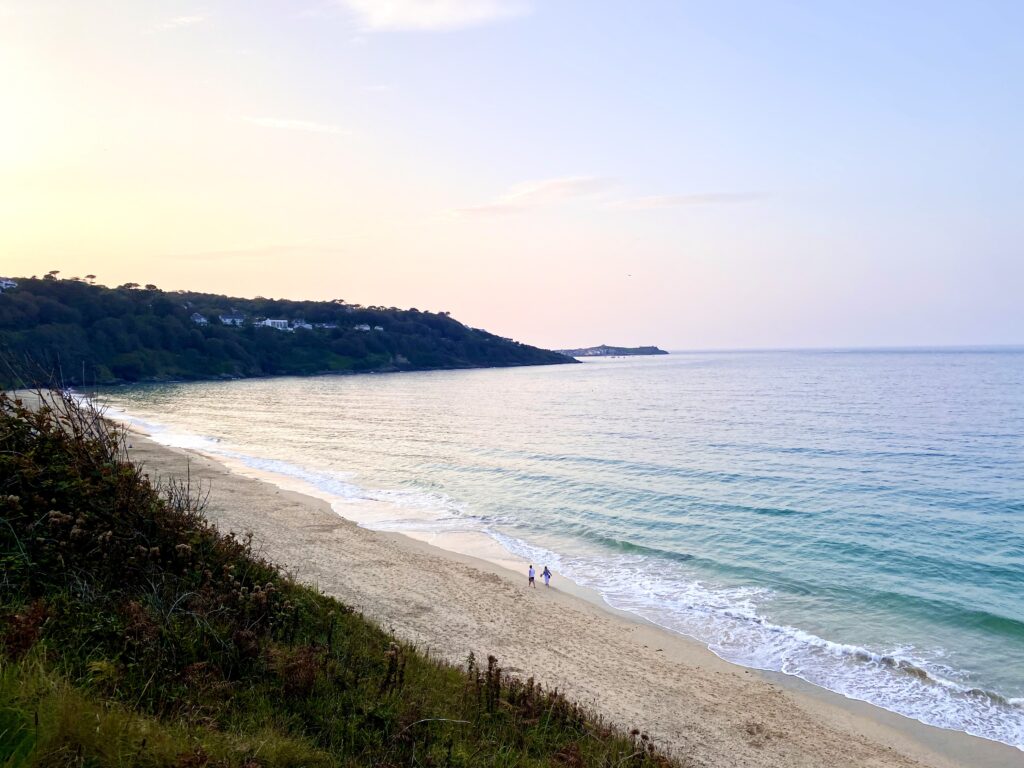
<point>564,172</point>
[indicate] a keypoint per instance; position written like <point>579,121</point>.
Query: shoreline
<point>99,387</point>
<point>700,707</point>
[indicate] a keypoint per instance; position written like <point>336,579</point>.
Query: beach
<point>701,709</point>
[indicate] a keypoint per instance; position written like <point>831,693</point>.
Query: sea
<point>852,518</point>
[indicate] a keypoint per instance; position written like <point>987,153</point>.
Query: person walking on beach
<point>547,576</point>
<point>531,573</point>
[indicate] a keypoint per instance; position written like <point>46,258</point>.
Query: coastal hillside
<point>82,334</point>
<point>134,633</point>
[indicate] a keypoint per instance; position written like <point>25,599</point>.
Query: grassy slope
<point>132,633</point>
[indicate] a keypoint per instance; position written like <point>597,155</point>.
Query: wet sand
<point>703,710</point>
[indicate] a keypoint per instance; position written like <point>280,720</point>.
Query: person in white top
<point>547,576</point>
<point>531,575</point>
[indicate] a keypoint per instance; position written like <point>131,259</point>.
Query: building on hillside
<point>325,325</point>
<point>233,318</point>
<point>199,319</point>
<point>6,284</point>
<point>361,327</point>
<point>281,325</point>
<point>301,324</point>
<point>378,327</point>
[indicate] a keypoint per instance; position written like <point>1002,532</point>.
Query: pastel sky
<point>566,172</point>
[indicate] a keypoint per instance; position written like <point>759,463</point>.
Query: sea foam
<point>852,519</point>
<point>726,620</point>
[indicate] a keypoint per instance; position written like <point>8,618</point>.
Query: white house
<point>301,324</point>
<point>361,327</point>
<point>5,284</point>
<point>325,325</point>
<point>378,327</point>
<point>199,319</point>
<point>281,325</point>
<point>233,318</point>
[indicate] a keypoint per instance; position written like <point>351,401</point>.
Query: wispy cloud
<point>265,251</point>
<point>537,194</point>
<point>649,202</point>
<point>294,125</point>
<point>179,22</point>
<point>596,191</point>
<point>432,14</point>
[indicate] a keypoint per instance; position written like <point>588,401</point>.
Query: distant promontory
<point>605,351</point>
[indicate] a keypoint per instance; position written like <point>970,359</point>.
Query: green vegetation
<point>132,633</point>
<point>81,334</point>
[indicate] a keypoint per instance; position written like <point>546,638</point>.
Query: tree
<point>129,286</point>
<point>91,279</point>
<point>51,275</point>
<point>151,287</point>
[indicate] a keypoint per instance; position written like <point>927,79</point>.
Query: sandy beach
<point>700,708</point>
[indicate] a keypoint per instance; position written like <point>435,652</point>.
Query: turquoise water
<point>853,518</point>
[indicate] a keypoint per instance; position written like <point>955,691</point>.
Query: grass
<point>133,633</point>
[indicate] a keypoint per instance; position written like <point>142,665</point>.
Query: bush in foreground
<point>133,633</point>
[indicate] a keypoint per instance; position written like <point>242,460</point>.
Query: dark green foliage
<point>133,633</point>
<point>81,334</point>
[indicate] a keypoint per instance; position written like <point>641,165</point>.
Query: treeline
<point>83,334</point>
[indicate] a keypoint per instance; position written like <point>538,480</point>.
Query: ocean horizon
<point>851,517</point>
